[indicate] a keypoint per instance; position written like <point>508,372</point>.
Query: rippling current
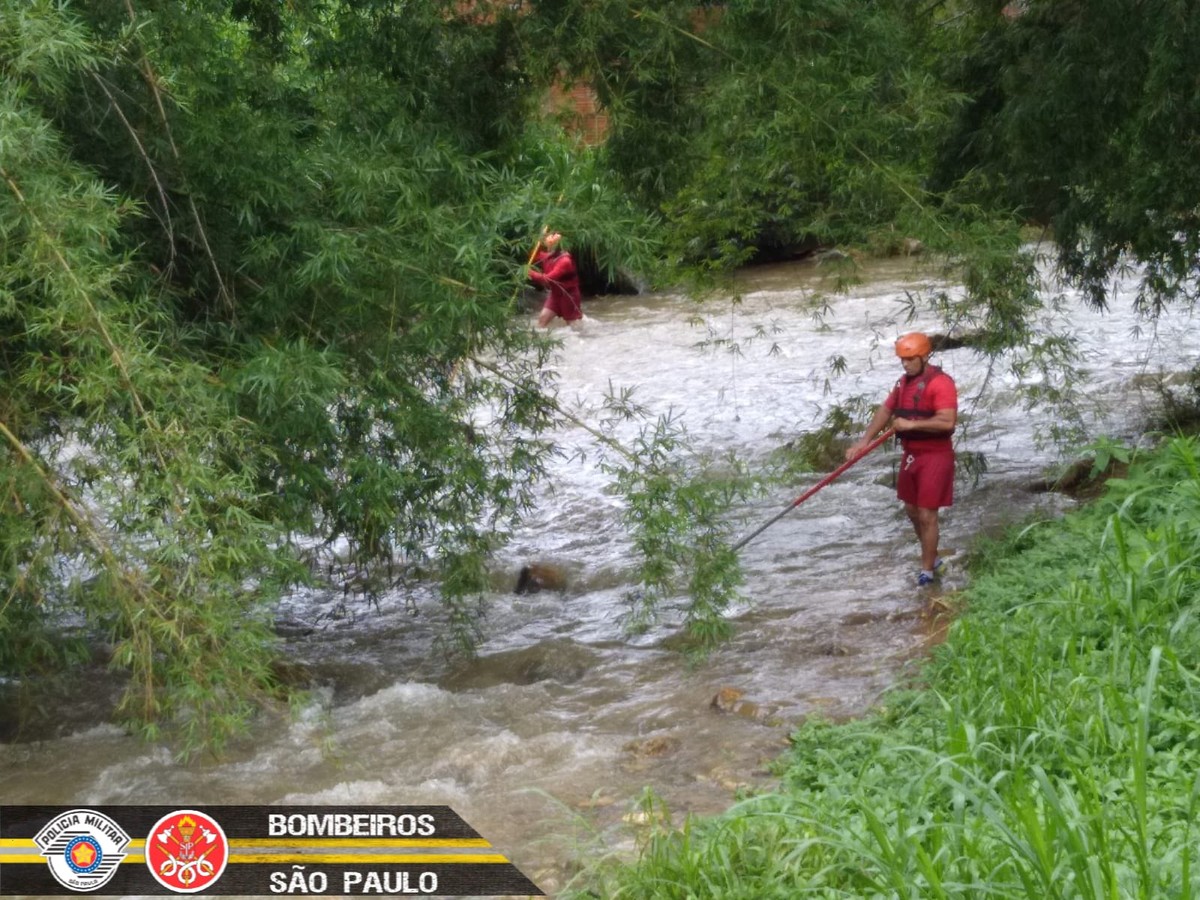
<point>548,741</point>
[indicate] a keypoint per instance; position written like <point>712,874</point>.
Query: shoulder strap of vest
<point>915,411</point>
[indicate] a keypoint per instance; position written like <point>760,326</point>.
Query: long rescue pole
<point>534,252</point>
<point>816,487</point>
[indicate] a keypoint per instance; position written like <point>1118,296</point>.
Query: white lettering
<point>299,883</point>
<point>351,825</point>
<point>389,883</point>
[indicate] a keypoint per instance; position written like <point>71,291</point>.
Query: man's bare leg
<point>925,524</point>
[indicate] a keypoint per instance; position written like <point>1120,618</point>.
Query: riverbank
<point>1051,749</point>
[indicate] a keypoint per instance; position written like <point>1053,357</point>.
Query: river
<point>550,742</point>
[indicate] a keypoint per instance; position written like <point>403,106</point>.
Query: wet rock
<point>558,660</point>
<point>731,701</point>
<point>652,746</point>
<point>958,341</point>
<point>725,698</point>
<point>829,256</point>
<point>832,648</point>
<point>291,674</point>
<point>290,628</point>
<point>537,577</point>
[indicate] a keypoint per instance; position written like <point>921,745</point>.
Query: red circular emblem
<point>186,851</point>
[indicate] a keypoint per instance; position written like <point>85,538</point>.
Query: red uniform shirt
<point>558,273</point>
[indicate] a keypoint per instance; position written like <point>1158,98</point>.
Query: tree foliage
<point>249,258</point>
<point>760,125</point>
<point>260,264</point>
<point>1082,117</point>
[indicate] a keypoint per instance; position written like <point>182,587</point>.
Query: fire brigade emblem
<point>186,851</point>
<point>83,848</point>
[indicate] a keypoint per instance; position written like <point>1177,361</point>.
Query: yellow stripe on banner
<point>11,860</point>
<point>362,859</point>
<point>28,844</point>
<point>365,859</point>
<point>358,842</point>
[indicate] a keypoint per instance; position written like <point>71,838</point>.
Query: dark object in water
<point>540,577</point>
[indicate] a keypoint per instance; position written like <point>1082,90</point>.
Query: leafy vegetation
<point>1049,750</point>
<point>260,266</point>
<point>1080,118</point>
<point>250,262</point>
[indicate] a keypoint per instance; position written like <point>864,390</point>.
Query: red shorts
<point>926,479</point>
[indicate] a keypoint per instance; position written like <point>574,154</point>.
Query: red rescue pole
<point>816,487</point>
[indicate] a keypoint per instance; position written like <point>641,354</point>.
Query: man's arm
<point>941,422</point>
<point>878,423</point>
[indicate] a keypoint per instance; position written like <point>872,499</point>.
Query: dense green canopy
<point>261,265</point>
<point>248,260</point>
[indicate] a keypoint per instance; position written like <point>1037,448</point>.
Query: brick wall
<point>577,108</point>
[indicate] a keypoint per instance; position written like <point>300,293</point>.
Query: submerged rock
<point>556,660</point>
<point>731,701</point>
<point>537,577</point>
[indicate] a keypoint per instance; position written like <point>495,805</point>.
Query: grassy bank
<point>1053,749</point>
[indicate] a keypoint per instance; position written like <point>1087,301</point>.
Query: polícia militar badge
<point>83,848</point>
<point>186,851</point>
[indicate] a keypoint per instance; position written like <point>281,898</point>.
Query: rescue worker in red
<point>923,408</point>
<point>556,272</point>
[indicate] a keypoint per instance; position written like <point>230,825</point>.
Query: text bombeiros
<point>351,825</point>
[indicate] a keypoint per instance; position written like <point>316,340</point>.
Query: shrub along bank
<point>1053,749</point>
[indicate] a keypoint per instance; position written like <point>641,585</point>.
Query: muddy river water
<point>548,743</point>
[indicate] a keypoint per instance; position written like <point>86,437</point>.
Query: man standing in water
<point>558,274</point>
<point>923,408</point>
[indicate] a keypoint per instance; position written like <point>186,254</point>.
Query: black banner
<point>249,850</point>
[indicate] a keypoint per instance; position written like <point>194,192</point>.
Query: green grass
<point>1053,750</point>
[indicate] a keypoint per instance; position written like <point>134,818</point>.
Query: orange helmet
<point>914,344</point>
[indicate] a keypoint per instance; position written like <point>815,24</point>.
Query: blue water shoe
<point>925,578</point>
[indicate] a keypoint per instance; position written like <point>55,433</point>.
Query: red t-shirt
<point>919,397</point>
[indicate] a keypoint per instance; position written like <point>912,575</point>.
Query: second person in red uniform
<point>556,272</point>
